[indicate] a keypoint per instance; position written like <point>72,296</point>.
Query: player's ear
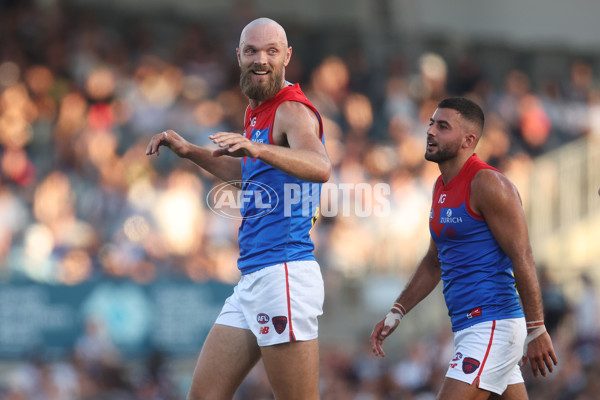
<point>469,140</point>
<point>288,56</point>
<point>237,53</point>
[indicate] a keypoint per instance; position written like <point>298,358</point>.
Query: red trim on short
<point>487,353</point>
<point>289,307</point>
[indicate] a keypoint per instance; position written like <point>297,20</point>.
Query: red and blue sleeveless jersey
<point>479,283</point>
<point>278,210</point>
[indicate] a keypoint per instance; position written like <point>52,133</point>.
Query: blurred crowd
<point>412,371</point>
<point>82,92</point>
<point>80,98</point>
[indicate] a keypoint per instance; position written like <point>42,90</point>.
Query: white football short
<point>279,303</point>
<point>487,354</point>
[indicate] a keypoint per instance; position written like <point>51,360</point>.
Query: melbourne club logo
<point>450,232</point>
<point>280,324</point>
<point>470,365</point>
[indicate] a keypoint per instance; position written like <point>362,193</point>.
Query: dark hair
<point>468,109</point>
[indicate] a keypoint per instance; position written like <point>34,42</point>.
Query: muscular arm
<point>225,168</point>
<point>298,150</point>
<point>424,280</point>
<point>496,199</point>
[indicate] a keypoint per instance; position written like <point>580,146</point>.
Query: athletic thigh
<point>457,390</point>
<point>453,389</point>
<point>293,369</point>
<point>228,354</point>
<point>512,392</point>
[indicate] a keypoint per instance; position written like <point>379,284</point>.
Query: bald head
<point>263,54</point>
<point>265,27</point>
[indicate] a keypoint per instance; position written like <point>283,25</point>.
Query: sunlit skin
<point>451,141</point>
<point>263,54</point>
<point>448,136</point>
<point>229,353</point>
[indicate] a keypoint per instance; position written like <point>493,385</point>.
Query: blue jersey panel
<point>277,217</point>
<point>477,275</point>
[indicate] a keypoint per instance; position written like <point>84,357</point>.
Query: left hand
<point>381,331</point>
<point>540,353</point>
<point>234,145</point>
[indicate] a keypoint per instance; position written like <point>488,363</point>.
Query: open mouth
<point>431,145</point>
<point>260,72</point>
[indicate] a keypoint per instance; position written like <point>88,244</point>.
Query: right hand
<point>234,145</point>
<point>170,139</point>
<point>381,332</point>
<point>539,352</point>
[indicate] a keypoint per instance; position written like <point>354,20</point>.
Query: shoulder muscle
<point>293,118</point>
<point>492,191</point>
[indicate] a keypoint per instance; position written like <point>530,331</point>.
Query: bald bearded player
<point>272,313</point>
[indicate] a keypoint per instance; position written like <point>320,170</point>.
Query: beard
<point>263,91</point>
<point>443,153</point>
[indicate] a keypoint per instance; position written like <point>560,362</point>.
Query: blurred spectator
<point>553,300</point>
<point>587,322</point>
<point>94,346</point>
